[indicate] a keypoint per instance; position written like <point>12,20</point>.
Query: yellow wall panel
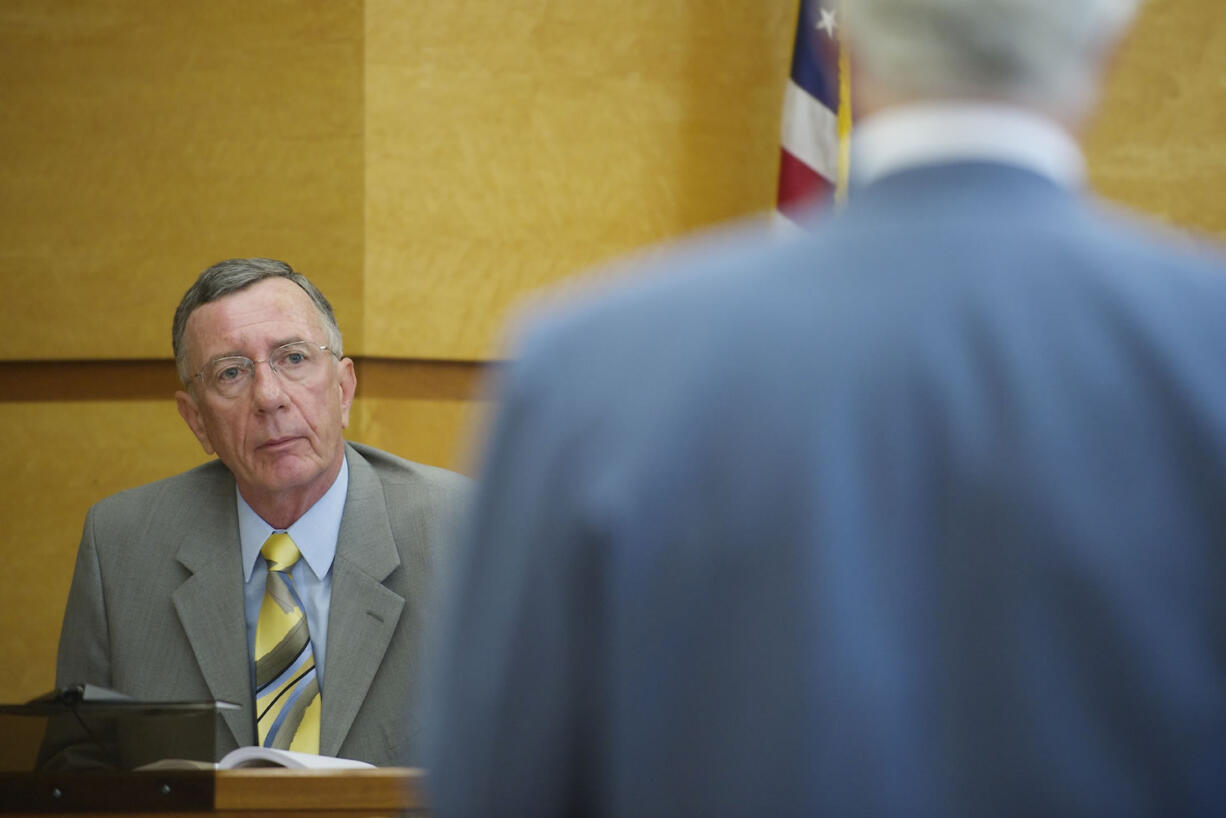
<point>143,140</point>
<point>437,432</point>
<point>60,458</point>
<point>1159,143</point>
<point>510,144</point>
<point>425,412</point>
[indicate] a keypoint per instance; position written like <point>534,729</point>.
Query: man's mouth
<point>279,442</point>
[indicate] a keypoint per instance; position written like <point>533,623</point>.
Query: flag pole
<point>840,191</point>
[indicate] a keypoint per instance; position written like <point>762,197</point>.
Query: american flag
<point>816,112</point>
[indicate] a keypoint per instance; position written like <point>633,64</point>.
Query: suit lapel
<point>364,613</point>
<point>210,603</point>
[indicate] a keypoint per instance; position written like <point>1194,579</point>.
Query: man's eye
<point>230,373</point>
<point>294,359</point>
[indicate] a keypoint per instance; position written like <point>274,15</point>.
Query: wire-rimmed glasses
<point>296,361</point>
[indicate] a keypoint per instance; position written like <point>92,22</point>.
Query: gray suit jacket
<point>922,514</point>
<point>156,604</point>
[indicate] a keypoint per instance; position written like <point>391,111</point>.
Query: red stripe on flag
<point>799,184</point>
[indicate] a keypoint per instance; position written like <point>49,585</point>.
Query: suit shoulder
<point>687,291</point>
<point>167,492</point>
<point>392,469</point>
<point>169,504</point>
<point>1138,234</point>
<point>422,503</point>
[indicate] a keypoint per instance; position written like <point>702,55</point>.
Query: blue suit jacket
<point>924,514</point>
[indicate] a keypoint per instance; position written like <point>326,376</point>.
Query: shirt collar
<point>930,133</point>
<point>315,532</point>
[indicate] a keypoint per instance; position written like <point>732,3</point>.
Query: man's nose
<point>266,385</point>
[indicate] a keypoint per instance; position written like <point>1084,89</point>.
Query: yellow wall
<point>509,144</point>
<point>1159,142</point>
<point>425,162</point>
<point>144,140</point>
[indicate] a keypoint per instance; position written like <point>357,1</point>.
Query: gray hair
<point>232,275</point>
<point>1038,52</point>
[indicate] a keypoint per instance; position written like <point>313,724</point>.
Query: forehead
<point>268,313</point>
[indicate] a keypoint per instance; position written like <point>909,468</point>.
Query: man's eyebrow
<point>234,353</point>
<point>238,353</point>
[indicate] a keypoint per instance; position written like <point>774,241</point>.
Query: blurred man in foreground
<point>290,576</point>
<point>922,514</point>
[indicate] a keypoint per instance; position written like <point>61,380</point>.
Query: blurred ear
<point>348,385</point>
<point>190,413</point>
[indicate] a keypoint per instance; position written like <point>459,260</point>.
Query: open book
<point>272,757</point>
<point>245,757</point>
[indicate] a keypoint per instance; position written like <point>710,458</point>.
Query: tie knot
<point>280,552</point>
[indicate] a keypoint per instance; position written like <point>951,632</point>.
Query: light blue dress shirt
<point>315,534</point>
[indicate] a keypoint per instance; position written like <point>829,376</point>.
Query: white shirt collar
<point>930,133</point>
<point>315,532</point>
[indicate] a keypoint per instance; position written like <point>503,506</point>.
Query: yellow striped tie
<point>287,696</point>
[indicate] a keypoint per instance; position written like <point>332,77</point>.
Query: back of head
<point>1040,53</point>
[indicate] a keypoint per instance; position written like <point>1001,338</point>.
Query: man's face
<point>281,439</point>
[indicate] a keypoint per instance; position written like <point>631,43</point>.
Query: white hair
<point>1039,52</point>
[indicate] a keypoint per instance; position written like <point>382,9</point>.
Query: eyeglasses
<point>297,361</point>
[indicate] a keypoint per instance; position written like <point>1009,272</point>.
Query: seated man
<point>290,576</point>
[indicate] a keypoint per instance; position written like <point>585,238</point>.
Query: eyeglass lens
<point>292,362</point>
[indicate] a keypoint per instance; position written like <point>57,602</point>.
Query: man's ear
<point>348,385</point>
<point>190,412</point>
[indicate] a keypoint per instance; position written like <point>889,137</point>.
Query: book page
<point>271,757</point>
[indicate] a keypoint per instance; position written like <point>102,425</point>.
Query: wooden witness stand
<point>263,792</point>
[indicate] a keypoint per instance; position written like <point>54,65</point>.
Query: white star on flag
<point>827,23</point>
